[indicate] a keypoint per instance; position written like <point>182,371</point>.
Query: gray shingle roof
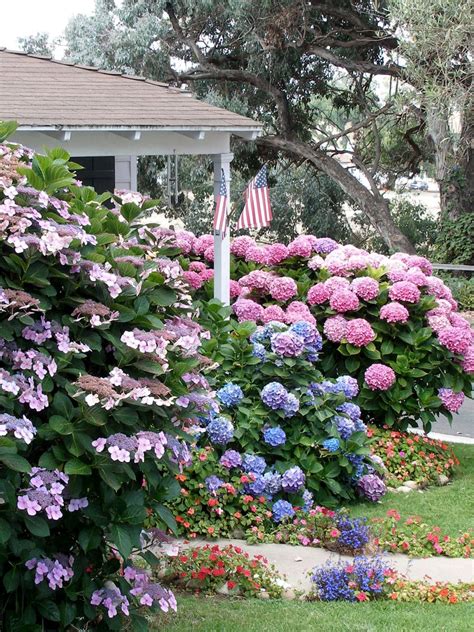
<point>37,91</point>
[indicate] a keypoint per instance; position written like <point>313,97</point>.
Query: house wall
<point>126,172</point>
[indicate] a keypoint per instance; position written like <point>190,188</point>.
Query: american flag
<point>222,206</point>
<point>257,211</point>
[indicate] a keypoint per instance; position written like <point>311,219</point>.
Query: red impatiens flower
<point>361,596</point>
<point>231,584</point>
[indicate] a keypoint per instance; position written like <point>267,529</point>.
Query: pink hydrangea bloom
<point>379,377</point>
<point>404,291</point>
<point>397,274</point>
<point>283,288</point>
<point>456,339</point>
<point>359,332</point>
<point>420,262</point>
<point>416,276</point>
<point>335,328</point>
<point>193,279</point>
<point>451,400</point>
<point>302,246</point>
<point>235,289</point>
<point>339,267</point>
<point>336,283</point>
<point>437,287</point>
<point>209,253</point>
<point>246,309</point>
<point>257,280</point>
<point>318,294</point>
<point>197,266</point>
<point>316,263</point>
<point>240,245</point>
<point>456,320</point>
<point>365,287</point>
<point>276,253</point>
<point>257,254</point>
<point>394,313</point>
<point>202,243</point>
<point>207,274</point>
<point>468,360</point>
<point>344,301</point>
<point>273,312</point>
<point>437,322</point>
<point>185,240</point>
<point>297,311</point>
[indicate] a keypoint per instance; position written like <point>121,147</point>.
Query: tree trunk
<point>375,206</point>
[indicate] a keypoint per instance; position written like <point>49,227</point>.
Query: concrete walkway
<point>296,562</point>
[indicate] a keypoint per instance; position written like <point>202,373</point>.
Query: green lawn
<point>450,507</point>
<point>212,614</point>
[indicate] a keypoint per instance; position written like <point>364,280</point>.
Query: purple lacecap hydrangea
<point>111,599</point>
<point>274,395</point>
<point>274,436</point>
<point>293,479</point>
<point>213,483</point>
<point>372,487</point>
<point>20,428</point>
<point>272,483</point>
<point>55,571</point>
<point>287,344</point>
<point>231,458</point>
<point>345,426</point>
<point>220,431</point>
<point>230,394</point>
<point>350,409</point>
<point>147,592</point>
<point>254,464</point>
<point>281,510</point>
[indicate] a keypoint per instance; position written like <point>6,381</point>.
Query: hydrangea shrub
<point>385,320</point>
<point>95,338</point>
<point>299,435</point>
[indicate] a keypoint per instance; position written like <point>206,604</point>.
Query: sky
<point>21,18</point>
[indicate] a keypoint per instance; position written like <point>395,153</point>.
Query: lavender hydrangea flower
<point>259,351</point>
<point>351,410</point>
<point>231,458</point>
<point>220,431</point>
<point>20,428</point>
<point>308,500</point>
<point>287,345</point>
<point>256,487</point>
<point>372,487</point>
<point>282,509</point>
<point>293,479</point>
<point>274,436</point>
<point>213,483</point>
<point>230,395</point>
<point>291,406</point>
<point>308,332</point>
<point>253,463</point>
<point>272,483</point>
<point>274,395</point>
<point>349,385</point>
<point>111,599</point>
<point>55,571</point>
<point>344,426</point>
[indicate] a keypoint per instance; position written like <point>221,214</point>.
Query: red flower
<point>237,515</point>
<point>190,511</point>
<point>183,558</point>
<point>253,508</point>
<point>217,572</point>
<point>393,513</point>
<point>361,597</point>
<point>212,502</point>
<point>231,584</point>
<point>210,530</point>
<point>244,479</point>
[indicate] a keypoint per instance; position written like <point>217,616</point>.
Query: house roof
<point>39,92</point>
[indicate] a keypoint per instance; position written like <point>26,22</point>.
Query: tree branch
<point>358,65</point>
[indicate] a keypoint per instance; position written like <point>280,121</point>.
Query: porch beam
<point>221,241</point>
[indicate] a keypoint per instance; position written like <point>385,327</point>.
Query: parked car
<point>418,185</point>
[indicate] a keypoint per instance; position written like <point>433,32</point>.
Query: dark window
<point>98,172</point>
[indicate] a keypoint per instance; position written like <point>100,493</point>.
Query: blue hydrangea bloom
<point>312,354</point>
<point>272,483</point>
<point>274,395</point>
<point>345,426</point>
<point>220,431</point>
<point>331,445</point>
<point>350,409</point>
<point>253,463</point>
<point>256,487</point>
<point>258,335</point>
<point>231,458</point>
<point>274,436</point>
<point>230,394</point>
<point>357,460</point>
<point>259,351</point>
<point>293,480</point>
<point>349,385</point>
<point>282,509</point>
<point>308,333</point>
<point>360,425</point>
<point>291,406</point>
<point>213,483</point>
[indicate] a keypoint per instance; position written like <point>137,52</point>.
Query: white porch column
<point>222,243</point>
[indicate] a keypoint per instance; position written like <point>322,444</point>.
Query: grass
<point>450,507</point>
<point>213,614</point>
